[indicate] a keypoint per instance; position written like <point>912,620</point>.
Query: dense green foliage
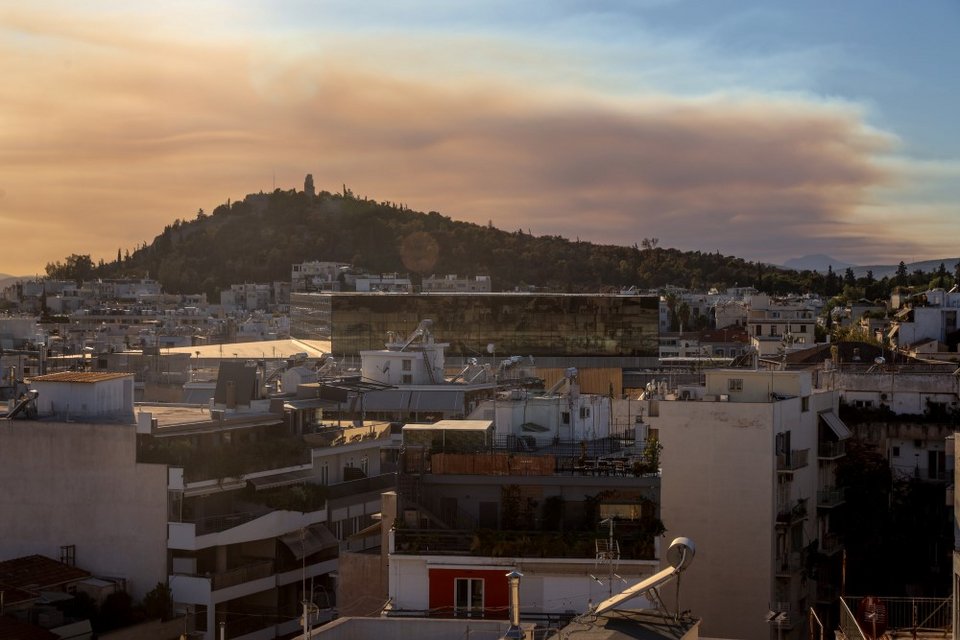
<point>259,238</point>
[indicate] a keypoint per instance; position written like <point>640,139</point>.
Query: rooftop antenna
<point>608,551</point>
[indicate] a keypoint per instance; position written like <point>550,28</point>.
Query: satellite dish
<point>681,552</point>
<point>879,360</point>
<point>490,347</point>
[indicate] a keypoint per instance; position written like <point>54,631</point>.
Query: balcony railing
<point>904,614</point>
<point>829,497</point>
<point>383,482</point>
<point>215,524</point>
<point>830,450</point>
<point>792,460</point>
<point>537,544</point>
<point>788,564</point>
<point>790,513</point>
<point>789,617</point>
<point>261,568</point>
<point>830,544</point>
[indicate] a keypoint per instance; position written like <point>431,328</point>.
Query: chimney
<point>514,632</point>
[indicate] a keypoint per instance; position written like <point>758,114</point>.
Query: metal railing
<point>263,568</point>
<point>830,497</point>
<point>906,614</point>
<point>793,459</point>
<point>383,481</point>
<point>832,449</point>
<point>218,523</point>
<point>788,564</point>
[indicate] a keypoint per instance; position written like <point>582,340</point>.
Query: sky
<point>762,129</point>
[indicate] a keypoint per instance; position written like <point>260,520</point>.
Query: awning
<point>372,530</point>
<point>306,542</point>
<point>281,479</point>
<point>312,403</point>
<point>833,421</point>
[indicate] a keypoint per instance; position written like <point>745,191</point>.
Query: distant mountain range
<point>6,280</point>
<point>820,262</point>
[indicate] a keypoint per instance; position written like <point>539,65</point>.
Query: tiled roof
<point>38,573</point>
<point>86,377</point>
<point>13,629</point>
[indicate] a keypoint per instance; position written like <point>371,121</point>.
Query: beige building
<point>777,324</point>
<point>747,471</point>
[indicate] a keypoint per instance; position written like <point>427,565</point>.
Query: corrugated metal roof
<point>84,377</point>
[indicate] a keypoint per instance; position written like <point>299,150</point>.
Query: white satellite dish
<point>490,347</point>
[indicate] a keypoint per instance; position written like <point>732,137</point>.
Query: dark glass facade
<point>537,324</point>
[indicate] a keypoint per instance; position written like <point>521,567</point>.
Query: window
<point>565,417</point>
<point>805,403</point>
<point>803,328</point>
<point>735,384</point>
<point>68,554</point>
<point>325,472</point>
<point>896,452</point>
<point>406,379</point>
<point>584,413</point>
<point>407,365</point>
<point>468,597</point>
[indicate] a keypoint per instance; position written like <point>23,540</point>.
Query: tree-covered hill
<point>259,238</point>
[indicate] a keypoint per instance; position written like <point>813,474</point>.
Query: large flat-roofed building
<point>537,324</point>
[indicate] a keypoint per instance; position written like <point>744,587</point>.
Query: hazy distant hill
<point>816,262</point>
<point>821,262</point>
<point>259,238</point>
<point>6,280</point>
<point>890,270</point>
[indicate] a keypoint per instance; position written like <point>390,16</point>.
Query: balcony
<point>254,570</point>
<point>792,460</point>
<point>830,544</point>
<point>830,497</point>
<point>832,450</point>
<point>788,564</point>
<point>224,461</point>
<point>787,514</point>
<point>927,617</point>
<point>527,544</point>
<point>786,617</point>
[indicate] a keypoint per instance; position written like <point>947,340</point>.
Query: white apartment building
<point>774,325</point>
<point>317,276</point>
<point>747,469</point>
<point>451,282</point>
<point>936,319</point>
<point>235,505</point>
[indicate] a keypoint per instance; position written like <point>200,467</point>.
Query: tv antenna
<point>608,551</point>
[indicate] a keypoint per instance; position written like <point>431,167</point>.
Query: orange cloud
<point>107,137</point>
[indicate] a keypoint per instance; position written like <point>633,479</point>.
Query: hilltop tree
<point>76,267</point>
<point>902,274</point>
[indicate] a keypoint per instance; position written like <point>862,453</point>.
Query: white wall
<point>79,484</point>
<point>717,489</point>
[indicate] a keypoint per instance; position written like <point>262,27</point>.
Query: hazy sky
<point>761,129</point>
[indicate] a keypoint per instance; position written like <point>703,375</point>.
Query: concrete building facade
<point>748,468</point>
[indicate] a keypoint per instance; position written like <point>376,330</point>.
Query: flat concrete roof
<point>268,349</point>
<point>452,425</point>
